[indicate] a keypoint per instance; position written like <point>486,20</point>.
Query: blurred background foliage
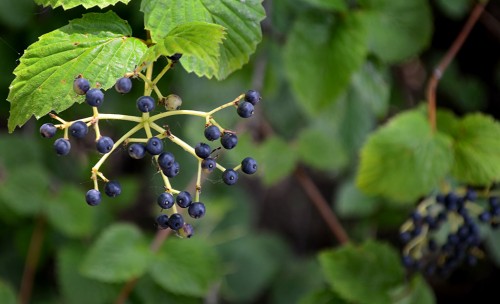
<point>329,72</point>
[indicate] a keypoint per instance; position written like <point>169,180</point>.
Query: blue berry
<point>208,164</point>
<point>94,97</point>
<point>172,171</point>
<point>186,231</point>
<point>405,237</point>
<point>183,199</point>
<point>62,146</point>
<point>162,221</point>
<point>202,150</point>
<point>175,222</point>
<point>48,130</point>
<point>145,104</point>
<point>249,165</point>
<point>81,86</point>
<point>229,140</point>
<point>253,97</point>
<point>78,129</point>
<point>196,210</point>
<point>104,144</point>
<point>137,151</point>
<point>245,109</point>
<point>175,57</point>
<point>113,188</point>
<point>154,146</point>
<point>123,85</point>
<point>93,197</point>
<point>166,160</point>
<point>165,200</point>
<point>230,177</point>
<point>470,195</point>
<point>212,133</point>
<point>485,216</point>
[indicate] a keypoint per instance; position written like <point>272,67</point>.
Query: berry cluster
<point>443,232</point>
<point>153,144</point>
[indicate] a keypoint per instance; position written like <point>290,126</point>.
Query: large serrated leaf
<point>198,42</point>
<point>185,267</point>
<point>397,29</point>
<point>321,56</point>
<point>67,4</point>
<point>240,18</point>
<point>96,46</point>
<point>404,159</point>
<point>119,254</point>
<point>363,274</point>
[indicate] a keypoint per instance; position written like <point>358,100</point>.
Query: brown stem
<point>321,204</point>
<point>34,249</point>
<point>445,61</point>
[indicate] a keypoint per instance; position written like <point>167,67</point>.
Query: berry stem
<point>198,182</point>
<point>232,103</point>
<point>160,75</point>
<point>220,167</point>
<point>178,112</point>
<point>174,139</point>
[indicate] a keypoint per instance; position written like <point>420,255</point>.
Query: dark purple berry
<point>172,171</point>
<point>230,177</point>
<point>81,86</point>
<point>196,210</point>
<point>78,129</point>
<point>48,130</point>
<point>212,133</point>
<point>186,231</point>
<point>229,140</point>
<point>202,150</point>
<point>93,197</point>
<point>245,109</point>
<point>104,144</point>
<point>137,151</point>
<point>165,200</point>
<point>208,164</point>
<point>162,221</point>
<point>183,199</point>
<point>485,216</point>
<point>175,222</point>
<point>123,85</point>
<point>154,146</point>
<point>62,146</point>
<point>166,160</point>
<point>253,97</point>
<point>249,165</point>
<point>113,188</point>
<point>145,104</point>
<point>94,97</point>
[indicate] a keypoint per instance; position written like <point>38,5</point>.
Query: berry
<point>253,97</point>
<point>62,146</point>
<point>405,237</point>
<point>212,132</point>
<point>172,171</point>
<point>175,221</point>
<point>48,130</point>
<point>470,195</point>
<point>175,57</point>
<point>104,144</point>
<point>94,97</point>
<point>165,200</point>
<point>202,150</point>
<point>183,199</point>
<point>196,210</point>
<point>208,164</point>
<point>123,85</point>
<point>162,221</point>
<point>78,129</point>
<point>172,102</point>
<point>154,146</point>
<point>166,160</point>
<point>249,165</point>
<point>229,140</point>
<point>93,197</point>
<point>230,177</point>
<point>245,109</point>
<point>137,151</point>
<point>81,86</point>
<point>484,217</point>
<point>186,231</point>
<point>113,189</point>
<point>145,104</point>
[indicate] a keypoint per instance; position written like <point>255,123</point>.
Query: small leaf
<point>350,202</point>
<point>454,9</point>
<point>404,159</point>
<point>322,296</point>
<point>97,46</point>
<point>335,5</point>
<point>191,40</point>
<point>371,86</point>
<point>67,4</point>
<point>119,254</point>
<point>7,293</point>
<point>147,291</point>
<point>416,292</point>
<point>409,23</point>
<point>363,274</point>
<point>321,57</point>
<point>240,18</point>
<point>276,160</point>
<point>185,267</point>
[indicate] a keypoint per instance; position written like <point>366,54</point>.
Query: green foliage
<point>7,294</point>
<point>404,159</point>
<point>417,291</point>
<point>350,202</point>
<point>323,296</point>
<point>275,169</point>
<point>97,46</point>
<point>335,5</point>
<point>363,274</point>
<point>67,4</point>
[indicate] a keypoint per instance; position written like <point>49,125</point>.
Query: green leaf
<point>371,86</point>
<point>322,296</point>
<point>404,159</point>
<point>7,293</point>
<point>147,291</point>
<point>119,254</point>
<point>67,4</point>
<point>97,46</point>
<point>398,30</point>
<point>16,13</point>
<point>321,57</point>
<point>456,9</point>
<point>240,18</point>
<point>276,160</point>
<point>476,146</point>
<point>185,267</point>
<point>74,286</point>
<point>198,42</point>
<point>363,274</point>
<point>416,292</point>
<point>69,214</point>
<point>351,202</point>
<point>335,5</point>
